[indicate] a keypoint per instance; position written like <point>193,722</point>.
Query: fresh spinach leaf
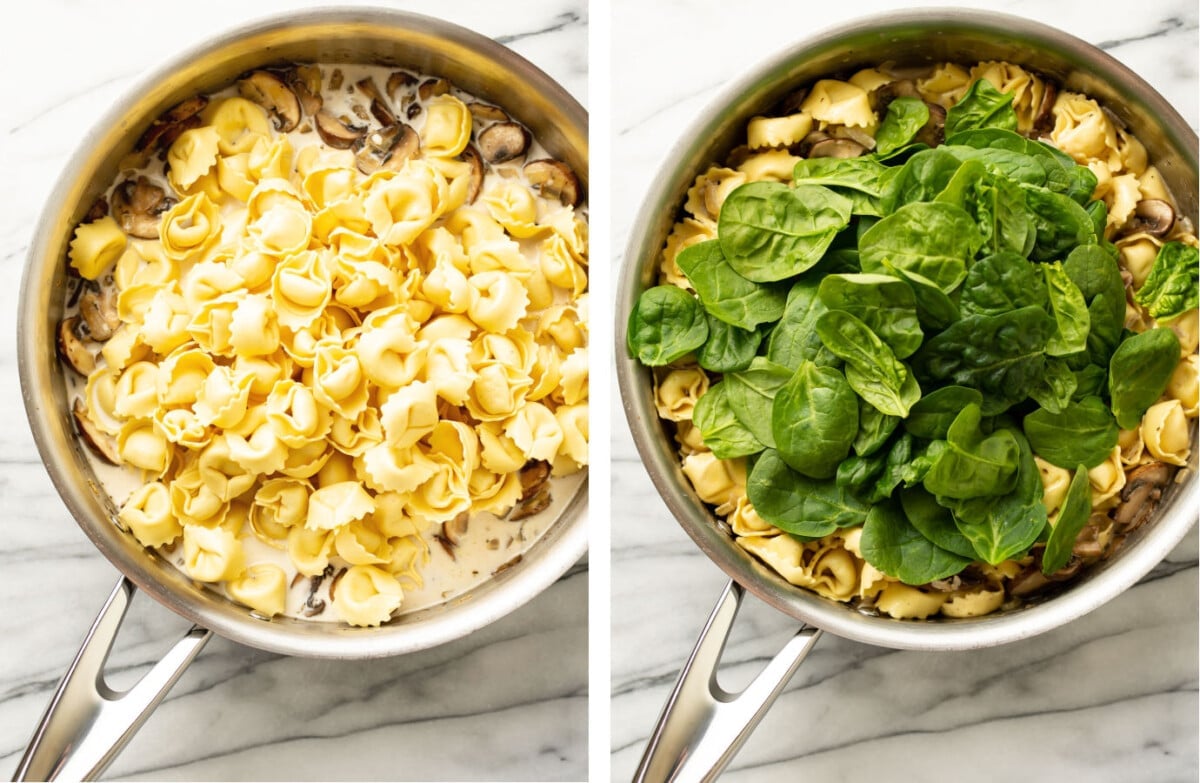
<point>858,474</point>
<point>874,428</point>
<point>865,175</point>
<point>1172,288</point>
<point>1098,278</point>
<point>1084,432</point>
<point>882,302</point>
<point>1001,355</point>
<point>797,504</point>
<point>893,545</point>
<point>935,310</point>
<point>921,178</point>
<point>1061,224</point>
<point>931,416</point>
<point>904,119</point>
<point>1090,381</point>
<point>1069,310</point>
<point>728,348</point>
<point>725,294</point>
<point>794,339</point>
<point>723,433</point>
<point>751,394</point>
<point>1004,527</point>
<point>974,465</point>
<point>983,106</point>
<point>934,521</point>
<point>666,324</point>
<point>907,463</point>
<point>1000,283</point>
<point>814,420</point>
<point>873,370</point>
<point>1139,372</point>
<point>1076,508</point>
<point>1057,386</point>
<point>1055,166</point>
<point>769,231</point>
<point>1098,212</point>
<point>933,240</point>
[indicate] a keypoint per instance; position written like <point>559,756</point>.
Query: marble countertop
<point>506,703</point>
<point>1109,697</point>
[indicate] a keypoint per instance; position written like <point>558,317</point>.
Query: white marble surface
<point>507,703</point>
<point>1109,697</point>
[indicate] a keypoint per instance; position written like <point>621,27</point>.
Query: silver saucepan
<point>87,723</point>
<point>702,726</point>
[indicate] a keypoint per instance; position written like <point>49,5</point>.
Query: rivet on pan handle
<point>703,726</point>
<point>87,722</point>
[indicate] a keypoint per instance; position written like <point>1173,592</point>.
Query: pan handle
<point>87,722</point>
<point>702,726</point>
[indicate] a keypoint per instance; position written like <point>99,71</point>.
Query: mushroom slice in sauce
<point>406,147</point>
<point>269,91</point>
<point>433,87</point>
<point>97,441</point>
<point>71,347</point>
<point>163,131</point>
<point>379,107</point>
<point>336,133</point>
<point>836,148</point>
<point>1043,123</point>
<point>554,178</point>
<point>98,306</point>
<point>472,156</point>
<point>1143,489</point>
<point>933,132</point>
<point>398,81</point>
<point>485,112</point>
<point>305,81</point>
<point>453,532</point>
<point>1152,216</point>
<point>137,206</point>
<point>503,141</point>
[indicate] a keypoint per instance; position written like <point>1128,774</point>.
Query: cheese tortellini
<point>318,357</point>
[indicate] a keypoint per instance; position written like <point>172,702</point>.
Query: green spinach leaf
<point>1057,386</point>
<point>1171,289</point>
<point>1069,310</point>
<point>794,339</point>
<point>935,310</point>
<point>769,231</point>
<point>904,119</point>
<point>751,394</point>
<point>921,178</point>
<point>882,302</point>
<point>933,240</point>
<point>723,433</point>
<point>907,463</point>
<point>814,420</point>
<point>1000,283</point>
<point>983,106</point>
<point>874,428</point>
<point>1098,278</point>
<point>1076,508</point>
<point>666,324</point>
<point>1139,372</point>
<point>932,415</point>
<point>1061,224</point>
<point>873,370</point>
<point>725,294</point>
<point>728,348</point>
<point>974,465</point>
<point>1084,432</point>
<point>934,521</point>
<point>893,545</point>
<point>797,504</point>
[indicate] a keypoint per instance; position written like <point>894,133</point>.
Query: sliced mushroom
<point>305,82</point>
<point>452,533</point>
<point>553,178</point>
<point>98,306</point>
<point>1092,540</point>
<point>377,146</point>
<point>534,476</point>
<point>804,148</point>
<point>334,583</point>
<point>883,95</point>
<point>96,211</point>
<point>791,103</point>
<point>432,87</point>
<point>507,565</point>
<point>335,132</point>
<point>137,206</point>
<point>379,107</point>
<point>269,91</point>
<point>1028,581</point>
<point>336,79</point>
<point>485,112</point>
<point>503,141</point>
<point>167,128</point>
<point>1143,489</point>
<point>406,147</point>
<point>472,156</point>
<point>399,80</point>
<point>933,132</point>
<point>534,504</point>
<point>97,441</point>
<point>1152,216</point>
<point>413,111</point>
<point>313,607</point>
<point>1043,121</point>
<point>836,148</point>
<point>71,347</point>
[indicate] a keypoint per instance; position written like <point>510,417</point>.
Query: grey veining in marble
<point>1109,697</point>
<point>506,703</point>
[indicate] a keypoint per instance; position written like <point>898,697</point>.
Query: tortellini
<point>331,359</point>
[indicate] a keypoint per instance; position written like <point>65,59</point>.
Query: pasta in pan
<point>747,357</point>
<point>329,340</point>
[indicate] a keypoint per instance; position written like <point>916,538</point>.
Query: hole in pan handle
<point>88,723</point>
<point>702,726</point>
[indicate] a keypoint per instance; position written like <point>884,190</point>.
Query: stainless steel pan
<point>702,726</point>
<point>87,723</point>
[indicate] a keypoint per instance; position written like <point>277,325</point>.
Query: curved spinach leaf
<point>935,310</point>
<point>1000,283</point>
<point>794,339</point>
<point>934,521</point>
<point>1076,508</point>
<point>1172,288</point>
<point>874,428</point>
<point>882,302</point>
<point>1061,224</point>
<point>1098,278</point>
<point>974,465</point>
<point>904,119</point>
<point>1139,372</point>
<point>725,294</point>
<point>752,393</point>
<point>1069,311</point>
<point>907,463</point>
<point>723,433</point>
<point>666,324</point>
<point>931,416</point>
<point>983,106</point>
<point>814,420</point>
<point>893,545</point>
<point>1057,387</point>
<point>873,370</point>
<point>923,176</point>
<point>933,240</point>
<point>769,231</point>
<point>797,504</point>
<point>1084,432</point>
<point>728,348</point>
